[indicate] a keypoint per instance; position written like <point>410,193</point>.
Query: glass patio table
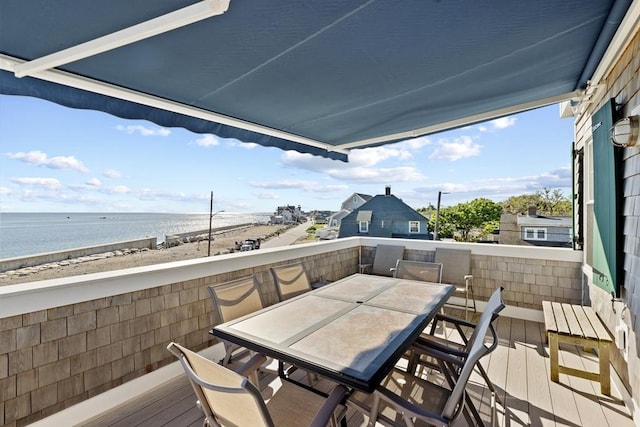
<point>352,331</point>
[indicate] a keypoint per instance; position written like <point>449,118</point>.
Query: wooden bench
<point>578,325</point>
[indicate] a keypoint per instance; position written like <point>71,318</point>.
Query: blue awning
<point>320,77</point>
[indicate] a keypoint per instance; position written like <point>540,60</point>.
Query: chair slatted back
<point>226,397</point>
<point>456,264</point>
<point>236,298</point>
<point>290,280</point>
<point>418,270</point>
<point>385,259</point>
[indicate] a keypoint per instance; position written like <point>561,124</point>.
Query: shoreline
<point>222,243</point>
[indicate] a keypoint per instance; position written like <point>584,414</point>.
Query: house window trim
<point>363,227</point>
<point>417,223</point>
<point>535,231</point>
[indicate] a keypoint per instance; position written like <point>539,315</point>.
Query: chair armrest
<point>456,320</point>
<point>251,365</point>
<point>324,414</point>
<point>444,355</point>
<point>425,342</point>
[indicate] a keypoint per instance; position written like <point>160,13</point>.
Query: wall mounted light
<point>624,133</point>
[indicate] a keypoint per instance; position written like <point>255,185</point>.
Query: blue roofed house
<point>385,215</point>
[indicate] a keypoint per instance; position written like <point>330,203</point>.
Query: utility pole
<point>435,228</point>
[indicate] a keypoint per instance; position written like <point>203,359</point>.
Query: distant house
<point>320,217</point>
<point>355,201</point>
<point>535,230</point>
<point>352,202</point>
<point>385,216</point>
<point>336,218</point>
<point>287,214</point>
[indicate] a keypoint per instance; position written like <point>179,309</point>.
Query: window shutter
<point>607,232</point>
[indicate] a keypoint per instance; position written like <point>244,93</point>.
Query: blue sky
<point>56,159</point>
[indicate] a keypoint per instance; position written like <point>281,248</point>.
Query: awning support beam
<point>170,21</point>
<point>464,121</point>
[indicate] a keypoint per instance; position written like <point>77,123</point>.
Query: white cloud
<point>4,191</point>
<point>120,189</point>
<point>378,175</point>
<point>94,182</point>
<point>360,167</point>
<point>265,195</point>
<point>499,189</point>
<point>402,151</point>
<point>208,141</point>
<point>283,184</point>
<point>142,130</point>
<point>309,186</point>
<point>456,149</point>
<point>503,122</point>
<point>233,143</point>
<point>416,143</point>
<point>39,158</point>
<point>48,183</point>
<point>112,173</point>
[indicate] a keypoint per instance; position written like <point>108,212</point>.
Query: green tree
<point>547,201</point>
<point>481,215</point>
<point>520,204</point>
<point>553,202</point>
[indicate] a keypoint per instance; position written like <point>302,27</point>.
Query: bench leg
<point>605,375</point>
<point>553,357</point>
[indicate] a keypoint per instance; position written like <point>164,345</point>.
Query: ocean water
<point>24,234</point>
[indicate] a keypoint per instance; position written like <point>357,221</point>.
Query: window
<point>535,233</point>
<point>414,227</point>
<point>364,226</point>
<point>355,199</point>
<point>334,223</point>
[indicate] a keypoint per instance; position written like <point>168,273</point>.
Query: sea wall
<point>47,257</point>
<point>191,236</point>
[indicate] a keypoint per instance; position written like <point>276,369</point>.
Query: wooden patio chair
<point>406,399</point>
<point>384,260</point>
<point>290,280</point>
<point>227,398</point>
<point>456,270</point>
<point>232,300</point>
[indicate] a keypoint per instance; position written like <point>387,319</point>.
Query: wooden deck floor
<point>519,368</point>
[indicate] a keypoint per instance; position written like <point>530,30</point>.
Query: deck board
<point>538,394</point>
<point>519,369</point>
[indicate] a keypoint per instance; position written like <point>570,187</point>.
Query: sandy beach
<point>223,243</point>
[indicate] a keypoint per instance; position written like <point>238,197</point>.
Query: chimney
<point>532,210</point>
<point>387,190</point>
